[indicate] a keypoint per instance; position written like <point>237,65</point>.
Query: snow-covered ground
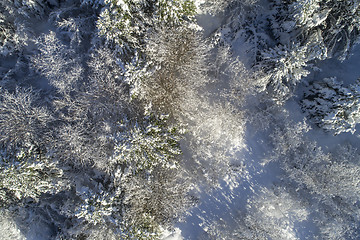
<point>347,71</point>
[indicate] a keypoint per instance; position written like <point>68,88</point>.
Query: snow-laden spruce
<point>332,106</point>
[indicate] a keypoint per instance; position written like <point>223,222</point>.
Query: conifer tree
<point>332,106</point>
<point>337,21</point>
<point>26,175</point>
<point>282,68</point>
<point>126,22</point>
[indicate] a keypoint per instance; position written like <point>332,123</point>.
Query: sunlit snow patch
<point>171,235</point>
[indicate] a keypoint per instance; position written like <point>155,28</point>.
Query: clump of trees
<point>326,180</point>
<point>126,23</point>
<point>76,141</point>
<point>288,37</point>
<point>334,20</point>
<point>322,29</point>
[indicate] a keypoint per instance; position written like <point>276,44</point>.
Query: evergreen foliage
<point>26,176</point>
<point>283,68</point>
<point>147,145</point>
<point>89,122</point>
<point>337,21</point>
<point>126,22</point>
<point>332,106</point>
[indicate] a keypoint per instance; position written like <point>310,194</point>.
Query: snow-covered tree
<point>215,135</point>
<point>176,65</point>
<point>76,143</point>
<point>126,22</point>
<point>337,21</point>
<point>327,180</point>
<point>107,83</point>
<point>283,67</point>
<point>17,18</point>
<point>14,34</point>
<point>153,201</point>
<point>272,213</point>
<point>7,35</point>
<point>305,31</point>
<point>99,208</point>
<point>147,145</point>
<point>145,188</point>
<point>332,106</point>
<point>279,65</point>
<point>26,175</point>
<point>338,180</point>
<point>93,114</point>
<point>326,174</point>
<point>75,25</point>
<point>22,120</point>
<point>340,176</point>
<point>245,23</point>
<point>342,27</point>
<point>58,63</point>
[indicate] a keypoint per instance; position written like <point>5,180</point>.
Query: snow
<point>250,148</point>
<point>172,235</point>
<point>8,229</point>
<point>230,199</point>
<point>347,71</point>
<point>209,23</point>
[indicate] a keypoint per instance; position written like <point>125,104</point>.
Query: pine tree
<point>126,22</point>
<point>147,145</point>
<point>26,175</point>
<point>332,106</point>
<point>297,21</point>
<point>282,68</point>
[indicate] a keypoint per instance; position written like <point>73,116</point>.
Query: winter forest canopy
<point>179,119</point>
